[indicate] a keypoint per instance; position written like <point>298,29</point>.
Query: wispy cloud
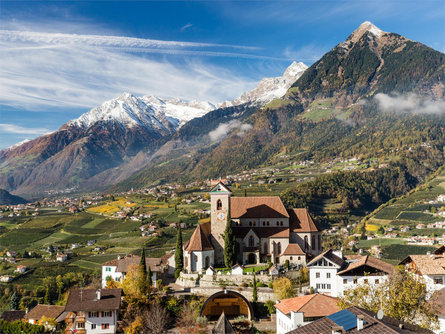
<point>409,103</point>
<point>55,69</point>
<point>15,129</point>
<point>225,128</point>
<point>187,26</point>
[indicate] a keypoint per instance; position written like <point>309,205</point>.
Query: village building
<point>50,312</point>
<point>431,267</point>
<point>357,320</point>
<point>90,311</point>
<point>332,273</point>
<point>117,269</point>
<point>13,315</point>
<point>263,228</point>
<point>299,311</point>
<point>61,257</point>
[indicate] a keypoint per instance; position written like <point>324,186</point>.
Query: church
<point>263,228</point>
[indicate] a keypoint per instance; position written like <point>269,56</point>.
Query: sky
<point>59,59</point>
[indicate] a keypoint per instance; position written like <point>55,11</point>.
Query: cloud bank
<point>223,130</point>
<point>409,103</point>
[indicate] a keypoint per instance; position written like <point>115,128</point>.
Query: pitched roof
<point>49,311</point>
<point>438,300</point>
<point>440,251</point>
<point>13,315</point>
<point>261,232</point>
<point>223,326</point>
<point>86,300</point>
<point>315,305</point>
<point>427,264</point>
<point>368,261</point>
<point>257,207</point>
<point>293,249</point>
<point>198,241</point>
<point>124,263</point>
<point>301,221</point>
<point>372,325</point>
<point>328,254</point>
<point>220,187</point>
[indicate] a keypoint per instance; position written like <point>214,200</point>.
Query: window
<point>250,223</point>
<point>313,242</point>
<point>218,205</point>
<point>93,326</point>
<point>93,314</point>
<point>365,281</point>
<point>267,223</point>
<point>105,326</point>
<point>355,281</point>
<point>264,223</point>
<point>306,245</point>
<point>345,281</point>
<point>328,286</point>
<point>251,241</point>
<point>299,258</point>
<point>438,280</point>
<point>254,223</point>
<point>291,258</point>
<point>80,325</point>
<point>317,275</point>
<point>279,248</point>
<point>377,281</point>
<point>106,314</point>
<point>265,247</point>
<point>328,275</point>
<point>107,269</point>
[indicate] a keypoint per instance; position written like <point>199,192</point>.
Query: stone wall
<point>264,294</point>
<point>216,281</point>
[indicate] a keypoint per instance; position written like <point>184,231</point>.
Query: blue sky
<point>59,59</point>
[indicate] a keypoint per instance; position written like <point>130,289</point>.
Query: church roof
<point>293,249</point>
<point>257,207</point>
<point>199,241</point>
<point>301,221</point>
<point>261,232</point>
<point>223,326</point>
<point>220,187</point>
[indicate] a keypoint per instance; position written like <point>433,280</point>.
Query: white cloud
<point>223,130</point>
<point>11,128</point>
<point>409,103</point>
<point>74,70</point>
<point>187,26</point>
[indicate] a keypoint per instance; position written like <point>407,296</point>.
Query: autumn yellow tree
<point>131,285</point>
<point>283,288</point>
<point>402,296</point>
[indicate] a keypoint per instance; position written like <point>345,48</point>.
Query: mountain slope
<point>111,142</point>
<point>332,111</point>
<point>8,199</point>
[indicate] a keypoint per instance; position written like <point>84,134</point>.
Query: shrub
<point>177,273</point>
<point>270,306</point>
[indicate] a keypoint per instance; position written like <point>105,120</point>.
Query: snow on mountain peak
<point>362,29</point>
<point>270,88</point>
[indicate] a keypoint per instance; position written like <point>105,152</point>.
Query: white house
<point>237,270</point>
<point>299,311</point>
<point>61,257</point>
<point>92,311</point>
<point>332,273</point>
<point>431,267</point>
<point>117,269</point>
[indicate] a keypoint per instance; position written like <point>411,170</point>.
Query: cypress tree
<point>149,274</point>
<point>254,291</point>
<point>47,298</point>
<point>142,263</point>
<point>229,244</point>
<point>179,256</point>
<point>14,302</point>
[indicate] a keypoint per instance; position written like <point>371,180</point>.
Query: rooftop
<point>86,300</point>
<point>315,305</point>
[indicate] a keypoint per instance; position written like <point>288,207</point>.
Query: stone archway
<point>251,258</point>
<point>232,303</point>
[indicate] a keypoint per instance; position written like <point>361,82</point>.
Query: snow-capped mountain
<point>269,88</point>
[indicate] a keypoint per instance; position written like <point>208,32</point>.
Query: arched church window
<point>251,241</point>
<point>319,242</point>
<point>279,248</point>
<point>265,247</point>
<point>313,242</point>
<point>306,244</point>
<point>219,205</point>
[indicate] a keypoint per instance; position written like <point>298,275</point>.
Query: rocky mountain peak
<point>362,29</point>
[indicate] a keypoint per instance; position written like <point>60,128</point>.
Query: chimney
<point>98,293</point>
<point>360,322</point>
<point>337,330</point>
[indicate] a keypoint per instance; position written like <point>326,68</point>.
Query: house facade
<point>90,311</point>
<point>263,228</point>
<point>332,273</point>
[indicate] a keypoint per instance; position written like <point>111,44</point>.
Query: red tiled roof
<point>257,207</point>
<point>49,311</point>
<point>301,221</point>
<point>124,263</point>
<point>315,305</point>
<point>369,261</point>
<point>198,241</point>
<point>293,249</point>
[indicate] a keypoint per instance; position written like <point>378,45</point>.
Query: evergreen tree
<point>229,244</point>
<point>47,298</point>
<point>14,302</point>
<point>143,263</point>
<point>254,291</point>
<point>149,274</point>
<point>179,256</point>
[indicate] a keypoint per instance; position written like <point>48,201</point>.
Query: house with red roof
<point>299,311</point>
<point>263,228</point>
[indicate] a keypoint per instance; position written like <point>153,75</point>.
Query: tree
<point>143,263</point>
<point>155,319</point>
<point>179,256</point>
<point>254,290</point>
<point>132,287</point>
<point>149,274</point>
<point>402,296</point>
<point>229,243</point>
<point>47,298</point>
<point>286,264</point>
<point>14,303</point>
<point>283,288</point>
